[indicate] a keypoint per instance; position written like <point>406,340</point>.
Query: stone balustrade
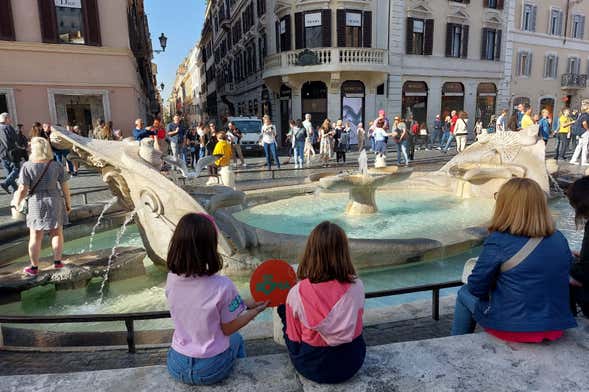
<point>328,59</point>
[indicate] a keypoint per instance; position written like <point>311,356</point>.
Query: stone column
<point>296,104</point>
<point>370,108</point>
<point>434,99</point>
<point>334,97</point>
<point>470,100</point>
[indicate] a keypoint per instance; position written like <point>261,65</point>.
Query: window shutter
<point>466,1</point>
<point>48,21</point>
<point>341,27</point>
<point>529,64</point>
<point>464,43</point>
<point>277,33</point>
<point>91,23</point>
<point>299,31</point>
<point>500,4</point>
<point>582,26</point>
<point>428,46</point>
<point>367,29</point>
<point>560,23</point>
<point>533,21</point>
<point>519,64</point>
<point>498,34</point>
<point>546,64</point>
<point>484,43</point>
<point>326,25</point>
<point>555,67</point>
<point>409,38</point>
<point>6,21</point>
<point>287,38</point>
<point>449,28</point>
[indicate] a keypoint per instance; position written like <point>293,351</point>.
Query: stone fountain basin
<point>79,270</point>
<point>366,253</point>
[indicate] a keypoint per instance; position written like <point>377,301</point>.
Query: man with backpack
<point>578,132</point>
<point>9,154</point>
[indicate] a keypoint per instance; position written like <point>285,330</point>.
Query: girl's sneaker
<point>31,271</point>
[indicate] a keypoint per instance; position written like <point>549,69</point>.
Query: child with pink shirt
<point>323,313</point>
<point>206,308</point>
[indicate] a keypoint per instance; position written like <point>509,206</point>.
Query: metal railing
<point>571,80</point>
<point>130,318</point>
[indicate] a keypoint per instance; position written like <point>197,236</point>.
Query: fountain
<point>106,207</point>
<point>362,186</point>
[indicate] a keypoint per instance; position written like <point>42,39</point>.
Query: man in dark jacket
<point>8,153</point>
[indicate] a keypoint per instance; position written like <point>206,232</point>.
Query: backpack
<point>577,127</point>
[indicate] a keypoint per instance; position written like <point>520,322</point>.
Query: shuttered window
<point>284,33</point>
<point>354,28</point>
<point>556,22</point>
<point>491,44</point>
<point>574,65</point>
<point>529,17</point>
<point>578,27</point>
<point>72,22</point>
<point>495,4</point>
<point>420,36</point>
<point>457,40</point>
<point>550,66</point>
<point>524,64</point>
<point>326,27</point>
<point>6,21</point>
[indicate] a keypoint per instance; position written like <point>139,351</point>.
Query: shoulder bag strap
<point>34,187</point>
<point>522,254</point>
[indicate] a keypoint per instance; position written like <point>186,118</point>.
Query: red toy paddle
<point>271,281</point>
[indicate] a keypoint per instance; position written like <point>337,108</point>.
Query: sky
<point>181,21</point>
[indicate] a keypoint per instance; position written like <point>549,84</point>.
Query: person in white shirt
<point>461,132</point>
<point>582,147</point>
<point>309,150</point>
<point>268,138</point>
<point>501,121</point>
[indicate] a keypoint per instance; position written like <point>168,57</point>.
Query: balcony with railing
<point>573,81</point>
<point>326,60</point>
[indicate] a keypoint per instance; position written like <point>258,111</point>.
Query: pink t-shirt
<point>199,305</point>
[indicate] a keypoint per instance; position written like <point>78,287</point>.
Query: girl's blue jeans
<point>464,322</point>
<point>205,371</point>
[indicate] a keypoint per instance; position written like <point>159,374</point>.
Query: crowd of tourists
<point>520,290</point>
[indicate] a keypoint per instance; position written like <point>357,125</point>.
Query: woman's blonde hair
<point>40,149</point>
<point>522,209</point>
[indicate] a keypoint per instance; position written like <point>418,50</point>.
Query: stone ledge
<point>466,363</point>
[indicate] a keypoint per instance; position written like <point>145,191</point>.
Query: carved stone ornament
<point>307,57</point>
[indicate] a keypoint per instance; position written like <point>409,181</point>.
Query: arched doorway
<point>353,99</point>
<point>452,98</point>
<point>314,102</point>
<point>486,102</point>
<point>548,104</point>
<point>415,101</point>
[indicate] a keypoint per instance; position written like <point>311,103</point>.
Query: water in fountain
<point>555,187</point>
<point>107,206</point>
<point>363,163</point>
<point>120,234</point>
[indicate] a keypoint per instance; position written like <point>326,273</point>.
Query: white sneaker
<point>585,164</point>
<point>574,162</point>
<point>244,165</point>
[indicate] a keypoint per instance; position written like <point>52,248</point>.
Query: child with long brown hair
<point>206,308</point>
<point>323,313</point>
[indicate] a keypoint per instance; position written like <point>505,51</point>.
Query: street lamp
<point>162,87</point>
<point>163,43</point>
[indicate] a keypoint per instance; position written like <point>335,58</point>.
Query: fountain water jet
<point>107,206</point>
<point>120,234</point>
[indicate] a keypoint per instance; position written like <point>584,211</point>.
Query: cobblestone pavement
<point>38,362</point>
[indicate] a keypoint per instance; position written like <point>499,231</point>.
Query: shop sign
<point>353,19</point>
<point>453,89</point>
<point>68,3</point>
<point>313,20</point>
<point>415,89</point>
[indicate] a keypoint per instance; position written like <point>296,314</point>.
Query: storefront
<point>548,104</point>
<point>415,101</point>
<point>353,102</point>
<point>314,102</point>
<point>486,102</point>
<point>452,98</point>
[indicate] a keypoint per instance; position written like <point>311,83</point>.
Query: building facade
<point>550,53</point>
<point>186,91</point>
<point>345,59</point>
<point>76,61</point>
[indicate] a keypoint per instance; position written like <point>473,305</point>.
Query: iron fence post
<point>130,335</point>
<point>436,304</point>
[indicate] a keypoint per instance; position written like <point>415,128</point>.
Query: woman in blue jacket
<point>519,287</point>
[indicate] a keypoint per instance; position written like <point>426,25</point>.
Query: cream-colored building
<point>550,46</point>
<point>186,91</point>
<point>76,61</point>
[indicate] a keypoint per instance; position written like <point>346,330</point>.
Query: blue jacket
<point>532,297</point>
<point>544,128</point>
<point>139,134</point>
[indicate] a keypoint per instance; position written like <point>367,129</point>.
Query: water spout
<point>107,206</point>
<point>120,234</point>
<point>363,163</point>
